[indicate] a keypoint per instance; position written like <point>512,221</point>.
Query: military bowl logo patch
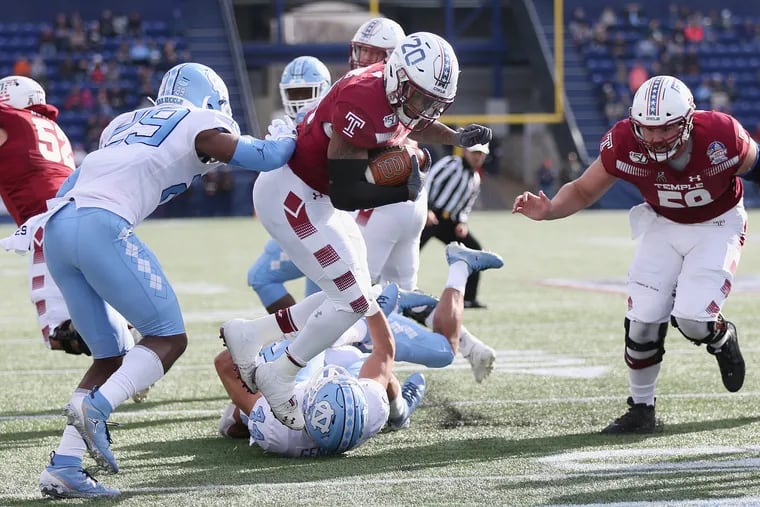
<point>717,152</point>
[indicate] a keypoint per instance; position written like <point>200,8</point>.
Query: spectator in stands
<point>134,25</point>
<point>106,24</point>
<point>634,14</point>
<point>607,18</point>
<point>637,74</point>
<point>579,27</point>
<point>46,43</point>
<point>38,70</point>
<point>694,32</point>
<point>61,31</point>
<point>546,177</point>
<point>22,67</point>
<point>139,53</point>
<point>79,99</point>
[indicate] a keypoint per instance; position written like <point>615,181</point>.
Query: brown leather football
<point>391,166</point>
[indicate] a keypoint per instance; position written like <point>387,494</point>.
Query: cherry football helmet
<point>194,85</point>
<point>421,79</point>
<point>304,81</point>
<point>21,92</point>
<point>662,101</point>
<point>380,36</point>
<point>335,410</point>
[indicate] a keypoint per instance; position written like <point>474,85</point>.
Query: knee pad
<point>644,343</point>
<point>700,332</point>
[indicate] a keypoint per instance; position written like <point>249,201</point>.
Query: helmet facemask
<point>415,107</point>
<point>364,55</point>
<point>665,149</point>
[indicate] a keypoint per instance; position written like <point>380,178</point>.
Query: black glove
<point>417,178</point>
<point>473,134</point>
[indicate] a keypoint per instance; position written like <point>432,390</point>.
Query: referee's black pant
<point>445,232</point>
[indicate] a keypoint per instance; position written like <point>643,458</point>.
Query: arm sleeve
<point>349,190</point>
<point>263,156</point>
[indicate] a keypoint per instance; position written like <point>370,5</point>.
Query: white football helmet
<point>194,85</point>
<point>421,79</point>
<point>304,81</point>
<point>662,101</point>
<point>380,36</point>
<point>21,92</point>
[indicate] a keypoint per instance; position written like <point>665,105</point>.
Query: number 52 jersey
<point>706,188</point>
<point>146,157</point>
<point>35,159</point>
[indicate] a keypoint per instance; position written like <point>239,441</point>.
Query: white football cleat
<point>279,393</point>
<point>481,359</point>
<point>244,347</point>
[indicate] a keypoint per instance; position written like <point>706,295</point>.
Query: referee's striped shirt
<point>452,189</point>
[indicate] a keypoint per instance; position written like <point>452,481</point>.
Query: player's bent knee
<point>644,343</point>
<point>696,331</point>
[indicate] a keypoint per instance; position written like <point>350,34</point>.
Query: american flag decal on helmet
<point>655,89</point>
<point>444,77</point>
<point>370,30</point>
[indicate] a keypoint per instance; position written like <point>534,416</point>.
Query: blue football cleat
<point>388,298</point>
<point>415,299</point>
<point>477,260</point>
<point>91,422</point>
<point>65,478</point>
<point>412,391</point>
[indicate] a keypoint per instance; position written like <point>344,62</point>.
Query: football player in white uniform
<point>146,157</point>
<point>326,420</point>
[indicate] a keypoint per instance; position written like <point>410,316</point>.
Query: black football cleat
<point>730,360</point>
<point>637,420</point>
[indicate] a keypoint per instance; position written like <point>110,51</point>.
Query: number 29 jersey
<point>706,188</point>
<point>146,157</point>
<point>34,161</point>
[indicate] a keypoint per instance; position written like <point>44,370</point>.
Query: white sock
<point>398,407</point>
<point>71,442</point>
<point>642,383</point>
<point>140,369</point>
<point>458,274</point>
<point>325,325</point>
<point>288,320</point>
<point>467,342</point>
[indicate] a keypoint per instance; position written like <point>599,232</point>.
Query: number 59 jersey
<point>704,189</point>
<point>146,157</point>
<point>36,159</point>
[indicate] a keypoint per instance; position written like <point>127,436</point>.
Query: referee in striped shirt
<point>453,185</point>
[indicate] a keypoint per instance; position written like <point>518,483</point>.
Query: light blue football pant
<point>95,258</point>
<point>267,276</point>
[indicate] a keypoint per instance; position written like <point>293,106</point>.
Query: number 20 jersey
<point>706,188</point>
<point>34,161</point>
<point>146,157</point>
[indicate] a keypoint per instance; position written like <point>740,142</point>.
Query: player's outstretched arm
<point>379,365</point>
<point>249,152</point>
<point>571,198</point>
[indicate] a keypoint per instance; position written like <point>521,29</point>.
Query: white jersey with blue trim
<point>145,158</point>
<point>274,437</point>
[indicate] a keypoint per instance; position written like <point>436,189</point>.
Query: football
<point>391,166</point>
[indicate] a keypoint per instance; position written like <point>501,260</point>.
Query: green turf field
<point>527,436</point>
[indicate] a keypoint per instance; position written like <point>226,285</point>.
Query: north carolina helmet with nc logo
<point>21,92</point>
<point>421,79</point>
<point>304,81</point>
<point>194,85</point>
<point>335,410</point>
<point>662,102</point>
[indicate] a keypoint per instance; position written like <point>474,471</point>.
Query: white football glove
<point>281,128</point>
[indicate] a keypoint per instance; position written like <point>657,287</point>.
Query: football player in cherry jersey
<point>37,159</point>
<point>303,206</point>
<point>691,228</point>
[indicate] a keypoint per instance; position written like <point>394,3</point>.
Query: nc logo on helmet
<point>322,417</point>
